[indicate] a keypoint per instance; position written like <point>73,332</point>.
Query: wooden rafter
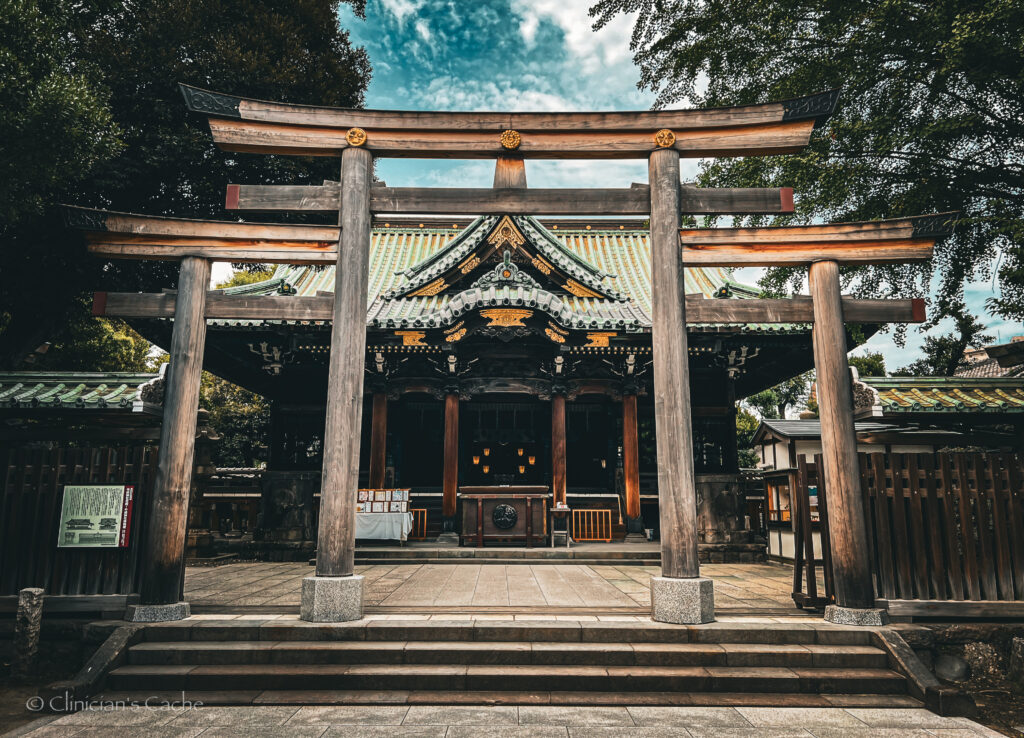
<point>635,200</point>
<point>698,310</point>
<point>871,242</point>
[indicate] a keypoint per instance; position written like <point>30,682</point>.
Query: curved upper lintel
<point>255,126</point>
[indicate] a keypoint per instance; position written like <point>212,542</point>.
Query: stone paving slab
<point>432,721</point>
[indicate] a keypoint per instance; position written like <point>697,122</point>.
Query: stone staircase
<point>491,661</point>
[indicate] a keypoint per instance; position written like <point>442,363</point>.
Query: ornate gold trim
<point>554,336</point>
<point>600,338</point>
<point>506,317</point>
<point>431,289</point>
<point>511,139</point>
<point>456,336</point>
<point>665,138</point>
<point>469,264</point>
<point>571,285</point>
<point>412,338</point>
<point>506,232</point>
<point>541,265</point>
<point>356,136</point>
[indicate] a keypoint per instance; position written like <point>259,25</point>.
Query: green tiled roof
<point>401,256</point>
<point>133,392</point>
<point>901,395</point>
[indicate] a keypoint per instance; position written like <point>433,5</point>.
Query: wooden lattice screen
<point>31,486</point>
<point>946,527</point>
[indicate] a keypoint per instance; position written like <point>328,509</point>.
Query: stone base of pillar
<point>332,599</point>
<point>448,540</point>
<point>635,530</point>
<point>682,601</point>
<point>157,613</point>
<point>866,616</point>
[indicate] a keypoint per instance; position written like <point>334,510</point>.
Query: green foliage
<point>97,345</point>
<point>871,364</point>
<point>243,277</point>
<point>241,419</point>
<point>774,401</point>
<point>746,426</point>
<point>944,355</point>
<point>930,119</point>
<point>122,139</point>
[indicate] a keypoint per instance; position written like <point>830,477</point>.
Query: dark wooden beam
<point>507,200</point>
<point>698,309</point>
<point>872,242</point>
<point>816,108</point>
<point>558,448</point>
<point>378,439</point>
<point>630,455</point>
<point>450,479</point>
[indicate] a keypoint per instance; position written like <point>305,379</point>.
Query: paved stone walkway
<point>737,586</point>
<point>507,722</point>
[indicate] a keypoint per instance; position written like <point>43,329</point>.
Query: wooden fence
<point>592,525</point>
<point>31,491</point>
<point>942,527</point>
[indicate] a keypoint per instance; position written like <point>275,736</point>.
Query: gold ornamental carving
<point>456,336</point>
<point>469,264</point>
<point>412,338</point>
<point>506,233</point>
<point>555,333</point>
<point>506,317</point>
<point>541,265</point>
<point>574,287</point>
<point>599,338</point>
<point>431,289</point>
<point>665,138</point>
<point>511,139</point>
<point>356,136</point>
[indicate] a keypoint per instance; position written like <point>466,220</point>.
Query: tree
<point>154,158</point>
<point>930,119</point>
<point>241,418</point>
<point>871,364</point>
<point>96,345</point>
<point>774,401</point>
<point>944,355</point>
<point>746,426</point>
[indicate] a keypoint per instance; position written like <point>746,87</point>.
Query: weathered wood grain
<point>676,478</point>
<point>846,519</point>
<point>342,433</point>
<point>167,521</point>
<point>509,198</point>
<point>630,455</point>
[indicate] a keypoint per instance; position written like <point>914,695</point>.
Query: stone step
<point>507,677</point>
<point>507,697</point>
<point>503,652</point>
<point>518,631</point>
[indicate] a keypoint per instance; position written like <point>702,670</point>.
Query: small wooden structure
<point>358,136</point>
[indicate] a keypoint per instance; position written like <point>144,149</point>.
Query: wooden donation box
<point>504,514</point>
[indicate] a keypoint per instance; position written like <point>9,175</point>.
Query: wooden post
<point>163,562</point>
<point>378,439</point>
<point>677,498</point>
<point>451,456</point>
<point>336,536</point>
<point>510,173</point>
<point>557,447</point>
<point>630,455</point>
<point>846,523</point>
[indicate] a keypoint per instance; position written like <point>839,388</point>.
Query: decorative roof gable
<point>491,246</point>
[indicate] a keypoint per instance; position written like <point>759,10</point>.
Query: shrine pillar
<point>631,467</point>
<point>335,593</point>
<point>558,444</point>
<point>378,439</point>
<point>163,570</point>
<point>679,595</point>
<point>450,481</point>
<point>854,590</point>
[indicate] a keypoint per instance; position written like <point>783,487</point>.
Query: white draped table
<point>384,526</point>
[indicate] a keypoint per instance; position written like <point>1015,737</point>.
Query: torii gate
<point>334,594</point>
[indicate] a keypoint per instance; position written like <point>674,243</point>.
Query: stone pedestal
<point>157,613</point>
<point>635,530</point>
<point>871,616</point>
<point>332,599</point>
<point>682,601</point>
<point>448,540</point>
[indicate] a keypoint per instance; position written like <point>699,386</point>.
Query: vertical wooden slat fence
<point>592,525</point>
<point>31,487</point>
<point>419,524</point>
<point>942,527</point>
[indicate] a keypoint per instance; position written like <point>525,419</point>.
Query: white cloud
<point>423,30</point>
<point>401,8</point>
<point>605,48</point>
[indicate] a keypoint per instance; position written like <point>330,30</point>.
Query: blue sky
<point>528,55</point>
